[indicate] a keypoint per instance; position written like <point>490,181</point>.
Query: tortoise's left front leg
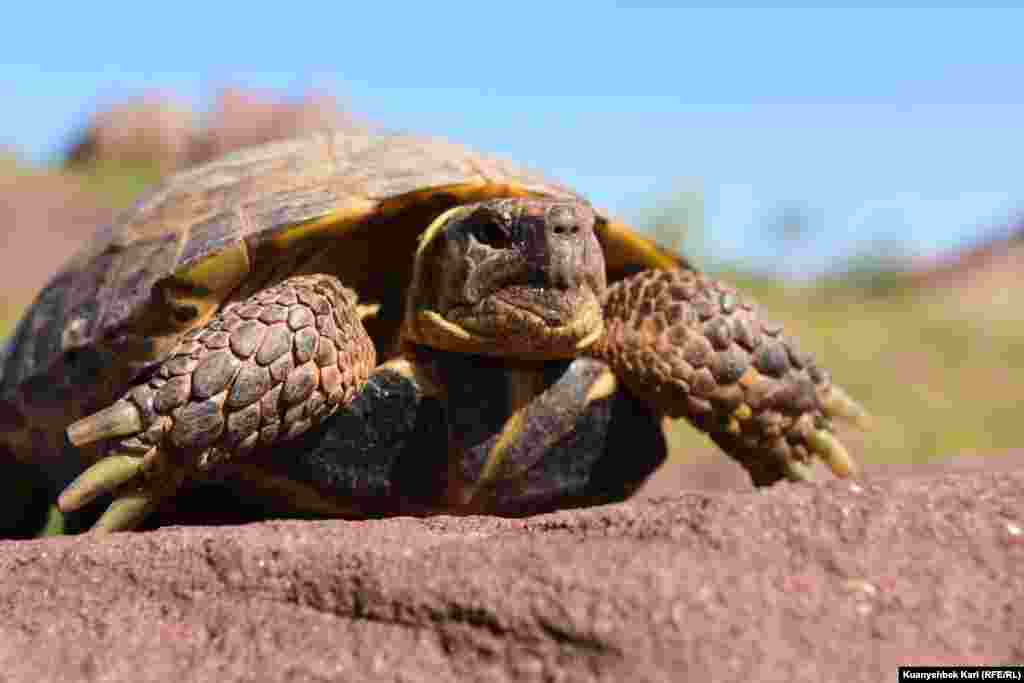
<point>260,373</point>
<point>693,348</point>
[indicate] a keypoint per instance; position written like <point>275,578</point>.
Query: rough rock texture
<point>837,581</point>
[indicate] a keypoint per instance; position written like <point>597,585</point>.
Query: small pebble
<point>860,586</point>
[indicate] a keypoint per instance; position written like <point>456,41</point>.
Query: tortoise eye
<point>493,233</point>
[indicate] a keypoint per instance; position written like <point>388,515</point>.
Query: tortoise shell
<point>334,202</point>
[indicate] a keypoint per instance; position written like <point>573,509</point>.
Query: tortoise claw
<point>138,483</point>
<point>127,511</point>
<point>797,471</point>
<point>105,476</point>
<point>54,525</point>
<point>841,405</point>
<point>831,450</point>
<point>120,419</point>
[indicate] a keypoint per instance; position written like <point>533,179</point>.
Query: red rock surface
<point>829,582</point>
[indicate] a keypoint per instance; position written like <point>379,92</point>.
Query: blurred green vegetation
<point>937,381</point>
<point>939,377</point>
<point>117,184</point>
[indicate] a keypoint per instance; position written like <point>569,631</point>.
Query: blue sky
<point>887,124</point>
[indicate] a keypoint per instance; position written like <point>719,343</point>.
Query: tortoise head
<point>517,277</point>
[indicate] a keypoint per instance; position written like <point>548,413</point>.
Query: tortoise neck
<point>485,403</point>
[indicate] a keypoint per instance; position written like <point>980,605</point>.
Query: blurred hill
<point>152,130</point>
<point>155,131</point>
<point>985,278</point>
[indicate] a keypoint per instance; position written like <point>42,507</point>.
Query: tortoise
<point>371,324</point>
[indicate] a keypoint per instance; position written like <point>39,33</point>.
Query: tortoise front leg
<point>447,433</point>
<point>694,349</point>
<point>262,371</point>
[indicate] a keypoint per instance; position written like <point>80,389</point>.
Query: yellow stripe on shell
<point>624,247</point>
<point>219,272</point>
<point>334,223</point>
<point>357,209</point>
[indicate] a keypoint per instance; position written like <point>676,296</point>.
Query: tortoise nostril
<point>563,221</point>
<point>566,230</point>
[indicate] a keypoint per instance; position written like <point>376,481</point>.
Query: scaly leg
<point>262,371</point>
<point>693,348</point>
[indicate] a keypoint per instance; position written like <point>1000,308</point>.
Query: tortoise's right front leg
<point>690,346</point>
<point>261,372</point>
